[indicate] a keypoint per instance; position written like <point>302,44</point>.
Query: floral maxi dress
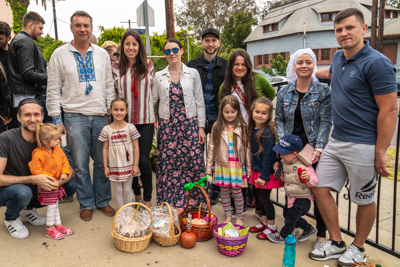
<point>179,154</point>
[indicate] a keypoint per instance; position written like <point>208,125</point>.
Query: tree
<point>203,14</point>
<point>236,30</point>
<point>19,8</point>
<point>393,3</point>
<point>278,66</point>
<point>114,34</point>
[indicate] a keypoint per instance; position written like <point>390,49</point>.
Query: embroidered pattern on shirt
<point>85,67</point>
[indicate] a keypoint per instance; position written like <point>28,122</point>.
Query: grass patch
<point>391,162</point>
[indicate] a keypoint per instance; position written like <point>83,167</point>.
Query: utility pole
<point>374,23</point>
<point>146,23</point>
<point>55,18</point>
<point>381,25</point>
<point>169,16</point>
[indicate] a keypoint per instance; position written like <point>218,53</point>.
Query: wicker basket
<point>202,232</point>
<point>171,239</point>
<point>230,246</point>
<point>131,244</point>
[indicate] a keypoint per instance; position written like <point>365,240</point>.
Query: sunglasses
<point>175,50</point>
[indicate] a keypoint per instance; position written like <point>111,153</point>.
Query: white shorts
<point>342,161</point>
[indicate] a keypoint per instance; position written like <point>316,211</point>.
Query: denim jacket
<point>192,94</point>
<point>315,110</point>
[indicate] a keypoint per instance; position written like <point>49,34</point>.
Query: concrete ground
<point>92,244</point>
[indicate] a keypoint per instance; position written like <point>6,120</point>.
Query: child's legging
<point>123,192</point>
<point>53,215</point>
<point>266,206</point>
<point>226,200</point>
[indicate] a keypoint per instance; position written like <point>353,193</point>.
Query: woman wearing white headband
<point>303,108</point>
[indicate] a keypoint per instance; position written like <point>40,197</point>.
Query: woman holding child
<point>303,108</point>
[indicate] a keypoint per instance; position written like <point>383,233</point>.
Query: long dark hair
<point>140,67</point>
<point>250,92</point>
<point>220,125</point>
<point>264,101</point>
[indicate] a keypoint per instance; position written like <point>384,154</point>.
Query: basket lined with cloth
<point>173,236</point>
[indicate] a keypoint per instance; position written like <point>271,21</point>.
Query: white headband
<point>290,70</point>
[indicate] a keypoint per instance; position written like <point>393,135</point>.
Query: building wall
<point>5,13</point>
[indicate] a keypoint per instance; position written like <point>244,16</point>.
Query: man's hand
<point>380,165</point>
<point>62,128</point>
<point>45,182</point>
<point>7,120</point>
<point>202,136</point>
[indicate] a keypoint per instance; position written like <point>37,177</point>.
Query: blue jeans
<point>18,196</point>
<point>83,133</point>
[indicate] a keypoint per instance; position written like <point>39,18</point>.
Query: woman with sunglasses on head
<point>133,75</point>
<point>181,112</point>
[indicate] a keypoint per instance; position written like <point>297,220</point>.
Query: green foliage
<point>226,54</point>
<point>18,9</point>
<point>48,51</point>
<point>203,14</point>
<point>236,30</point>
<point>114,34</point>
<point>278,66</point>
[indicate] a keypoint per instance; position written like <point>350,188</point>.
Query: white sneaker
<point>32,217</point>
<point>17,229</point>
<point>327,251</point>
<point>352,255</point>
<point>318,244</point>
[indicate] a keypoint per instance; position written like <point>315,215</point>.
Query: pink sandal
<point>52,232</point>
<point>62,229</point>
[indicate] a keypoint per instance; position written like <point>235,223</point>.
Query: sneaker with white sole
<point>32,217</point>
<point>307,234</point>
<point>327,251</point>
<point>17,229</point>
<point>318,244</point>
<point>352,255</point>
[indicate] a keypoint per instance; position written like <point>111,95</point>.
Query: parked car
<point>277,82</point>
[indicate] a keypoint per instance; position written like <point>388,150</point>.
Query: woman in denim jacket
<point>303,108</point>
<point>178,92</point>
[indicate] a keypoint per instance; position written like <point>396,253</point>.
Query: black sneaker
<point>214,198</point>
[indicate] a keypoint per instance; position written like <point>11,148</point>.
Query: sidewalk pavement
<point>92,245</point>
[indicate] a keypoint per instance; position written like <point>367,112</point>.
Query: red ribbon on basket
<point>191,185</point>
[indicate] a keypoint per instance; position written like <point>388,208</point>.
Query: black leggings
<point>266,206</point>
<point>145,141</point>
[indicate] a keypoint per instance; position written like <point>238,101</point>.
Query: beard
<point>214,51</point>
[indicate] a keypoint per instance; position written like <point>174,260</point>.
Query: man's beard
<point>214,51</point>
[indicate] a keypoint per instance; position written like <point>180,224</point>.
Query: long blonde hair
<point>45,132</point>
<point>264,101</point>
<point>220,125</point>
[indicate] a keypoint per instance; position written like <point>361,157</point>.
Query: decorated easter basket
<point>172,239</point>
<point>202,232</point>
<point>360,264</point>
<point>230,246</point>
<point>132,244</point>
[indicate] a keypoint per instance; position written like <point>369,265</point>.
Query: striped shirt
<point>140,106</point>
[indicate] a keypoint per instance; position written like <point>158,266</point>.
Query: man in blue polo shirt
<point>212,72</point>
<point>364,112</point>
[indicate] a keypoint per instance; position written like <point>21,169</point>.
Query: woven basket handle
<point>171,222</point>
<point>208,201</point>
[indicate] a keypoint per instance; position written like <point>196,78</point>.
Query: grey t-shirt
<point>17,151</point>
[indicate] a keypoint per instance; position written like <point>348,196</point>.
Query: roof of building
<point>300,16</point>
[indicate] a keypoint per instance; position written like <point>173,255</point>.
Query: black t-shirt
<point>298,128</point>
<point>18,152</point>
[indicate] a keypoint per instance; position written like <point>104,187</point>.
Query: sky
<point>104,13</point>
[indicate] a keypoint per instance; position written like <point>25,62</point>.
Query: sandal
<point>53,233</point>
<point>62,229</point>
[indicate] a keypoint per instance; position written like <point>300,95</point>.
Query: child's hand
<point>260,182</point>
<point>107,172</point>
<point>304,175</point>
<point>209,179</point>
<point>63,176</point>
<point>276,166</point>
<point>135,171</point>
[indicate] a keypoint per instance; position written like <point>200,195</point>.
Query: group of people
<point>82,88</point>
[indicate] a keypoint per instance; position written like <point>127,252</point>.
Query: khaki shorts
<point>342,161</point>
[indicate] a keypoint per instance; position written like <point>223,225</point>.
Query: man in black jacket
<point>5,96</point>
<point>212,72</point>
<point>26,65</point>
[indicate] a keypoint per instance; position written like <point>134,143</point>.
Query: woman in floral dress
<point>177,89</point>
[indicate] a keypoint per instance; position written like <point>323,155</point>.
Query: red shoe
<point>262,236</point>
<point>258,228</point>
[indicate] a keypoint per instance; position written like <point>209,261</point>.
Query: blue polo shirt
<point>354,83</point>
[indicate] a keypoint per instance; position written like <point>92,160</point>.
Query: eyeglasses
<point>175,50</point>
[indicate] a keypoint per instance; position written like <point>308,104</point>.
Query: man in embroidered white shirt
<point>80,83</point>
